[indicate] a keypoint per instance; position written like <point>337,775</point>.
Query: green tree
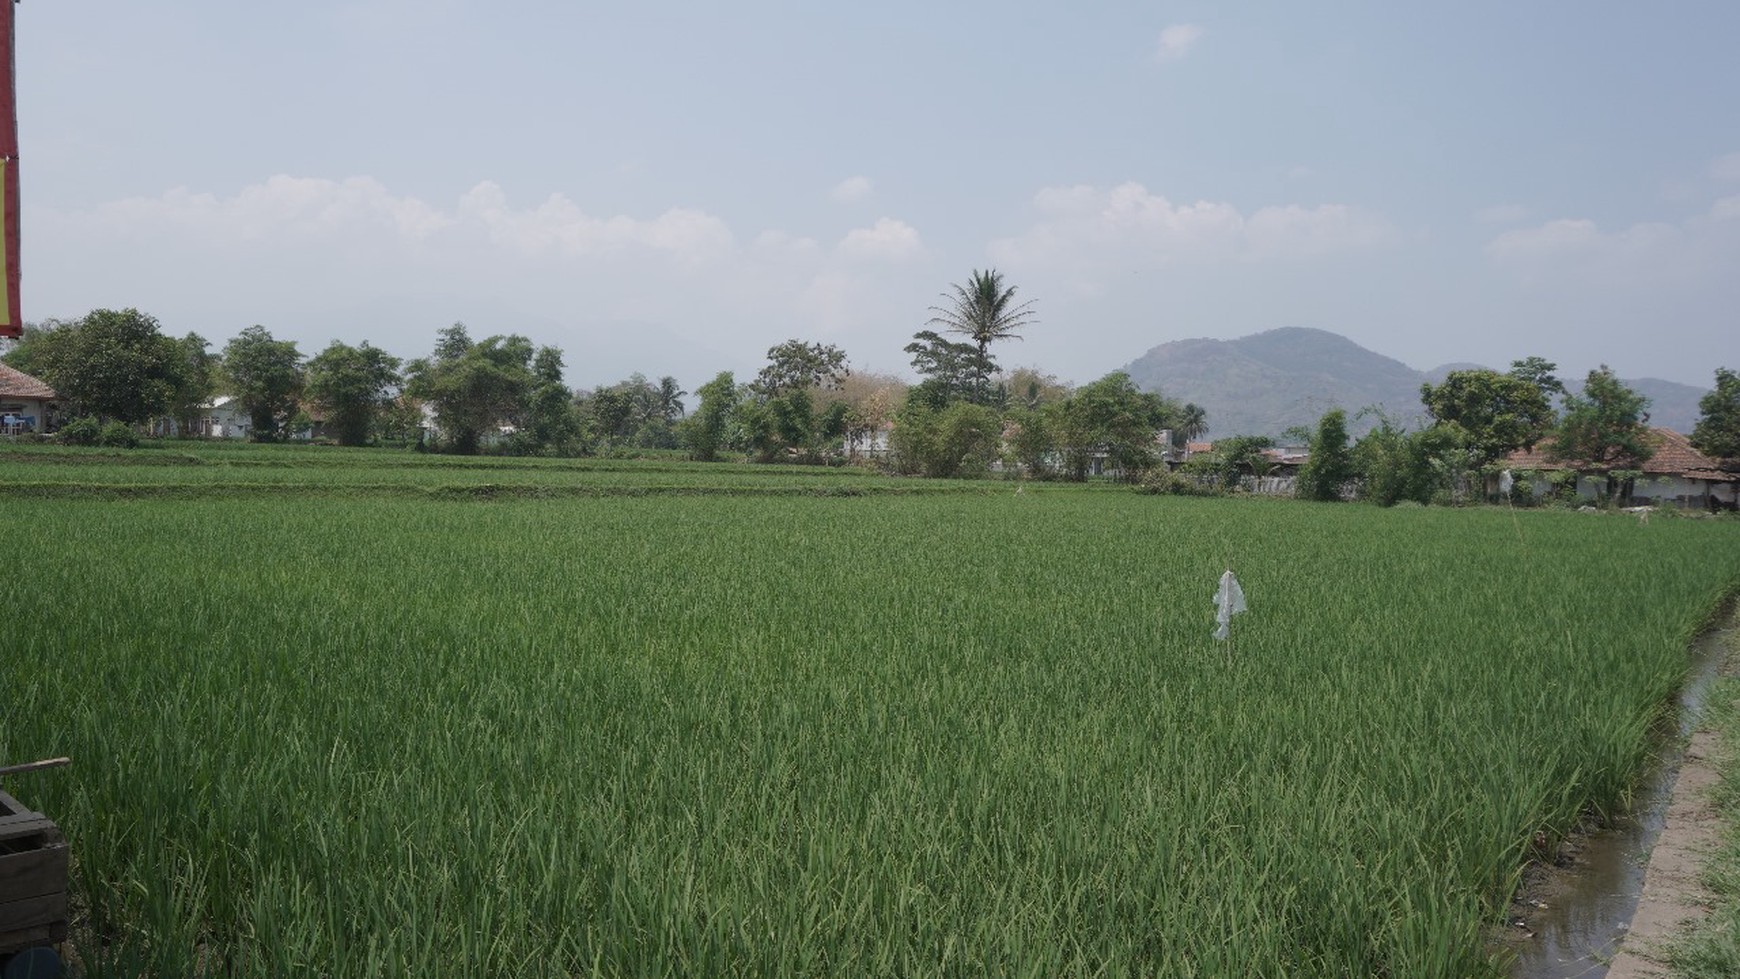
<point>1381,461</point>
<point>354,386</point>
<point>1029,387</point>
<point>1605,430</point>
<point>1192,424</point>
<point>958,441</point>
<point>26,352</point>
<point>951,371</point>
<point>1234,458</point>
<point>475,388</point>
<point>1330,466</point>
<point>636,412</point>
<point>196,382</point>
<point>1031,442</point>
<point>1110,417</point>
<point>795,364</point>
<point>266,376</point>
<point>670,400</point>
<point>707,430</point>
<point>1542,373</point>
<point>552,421</point>
<point>115,364</point>
<point>984,310</point>
<point>1496,413</point>
<point>1717,432</point>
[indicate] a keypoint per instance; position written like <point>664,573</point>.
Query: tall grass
<point>894,735</point>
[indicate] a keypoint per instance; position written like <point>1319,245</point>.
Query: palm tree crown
<point>984,310</point>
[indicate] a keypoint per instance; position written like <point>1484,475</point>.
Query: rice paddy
<point>751,728</point>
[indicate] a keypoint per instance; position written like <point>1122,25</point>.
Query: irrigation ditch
<point>1574,916</point>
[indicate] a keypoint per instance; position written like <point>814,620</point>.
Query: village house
<point>217,419</point>
<point>25,403</point>
<point>1676,473</point>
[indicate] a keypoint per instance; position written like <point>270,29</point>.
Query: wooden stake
<point>35,766</point>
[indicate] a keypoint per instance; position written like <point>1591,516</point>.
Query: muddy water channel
<point>1571,919</point>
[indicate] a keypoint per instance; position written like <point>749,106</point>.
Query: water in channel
<point>1589,904</point>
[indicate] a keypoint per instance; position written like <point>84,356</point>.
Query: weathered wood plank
<point>33,872</point>
<point>13,828</point>
<point>42,910</point>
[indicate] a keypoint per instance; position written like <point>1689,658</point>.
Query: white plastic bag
<point>1229,600</point>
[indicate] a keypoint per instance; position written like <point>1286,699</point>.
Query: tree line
<point>1480,418</point>
<point>964,416</point>
<point>505,394</point>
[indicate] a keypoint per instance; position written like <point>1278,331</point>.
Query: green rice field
<point>799,722</point>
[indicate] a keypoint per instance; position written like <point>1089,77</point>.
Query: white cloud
<point>886,240</point>
<point>559,224</point>
<point>1702,247</point>
<point>674,290</point>
<point>1090,233</point>
<point>282,205</point>
<point>852,189</point>
<point>1177,41</point>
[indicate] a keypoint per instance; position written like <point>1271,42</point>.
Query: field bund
<point>342,721</point>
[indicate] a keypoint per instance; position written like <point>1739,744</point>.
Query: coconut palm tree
<point>670,399</point>
<point>983,310</point>
<point>1192,422</point>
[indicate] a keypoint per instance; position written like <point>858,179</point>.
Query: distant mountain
<point>1268,382</point>
<point>1671,404</point>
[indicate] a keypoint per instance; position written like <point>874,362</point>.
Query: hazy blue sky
<point>674,187</point>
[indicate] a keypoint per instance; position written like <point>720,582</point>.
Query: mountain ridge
<point>1265,383</point>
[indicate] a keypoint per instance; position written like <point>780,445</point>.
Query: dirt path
<point>1672,894</point>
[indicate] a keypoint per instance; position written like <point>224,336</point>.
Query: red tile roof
<point>1674,456</point>
<point>17,384</point>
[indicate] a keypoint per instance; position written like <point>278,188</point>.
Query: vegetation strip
<point>131,491</point>
<point>974,732</point>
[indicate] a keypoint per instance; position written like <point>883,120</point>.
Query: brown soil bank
<point>1672,894</point>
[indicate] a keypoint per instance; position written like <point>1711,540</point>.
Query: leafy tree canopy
<point>197,381</point>
<point>1605,426</point>
<point>354,385</point>
<point>951,371</point>
<point>1718,430</point>
<point>111,363</point>
<point>1497,413</point>
<point>475,388</point>
<point>795,364</point>
<point>1113,417</point>
<point>1330,465</point>
<point>1542,373</point>
<point>709,429</point>
<point>266,376</point>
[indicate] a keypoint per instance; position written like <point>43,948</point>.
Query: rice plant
<point>378,735</point>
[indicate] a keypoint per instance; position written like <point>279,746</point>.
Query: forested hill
<point>1267,382</point>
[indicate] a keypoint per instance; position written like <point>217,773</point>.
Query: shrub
<point>119,435</point>
<point>80,431</point>
<point>1161,481</point>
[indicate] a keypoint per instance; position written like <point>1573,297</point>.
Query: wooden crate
<point>33,878</point>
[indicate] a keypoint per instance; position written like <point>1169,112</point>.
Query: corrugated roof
<point>1674,456</point>
<point>15,383</point>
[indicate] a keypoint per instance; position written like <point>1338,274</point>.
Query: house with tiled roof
<point>24,402</point>
<point>1675,473</point>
